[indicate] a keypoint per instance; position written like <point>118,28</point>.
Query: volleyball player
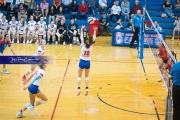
<point>163,55</point>
<point>3,26</point>
<point>51,32</point>
<point>41,29</point>
<point>13,24</point>
<point>22,25</point>
<point>61,32</point>
<point>31,30</point>
<point>39,52</point>
<point>3,44</point>
<point>86,49</point>
<point>34,92</point>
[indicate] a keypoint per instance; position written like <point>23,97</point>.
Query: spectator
<point>66,5</point>
<point>1,5</point>
<point>177,28</point>
<point>61,33</point>
<point>73,32</point>
<point>129,26</point>
<point>57,4</point>
<point>102,5</point>
<point>177,9</point>
<point>118,25</point>
<point>83,8</point>
<point>37,13</point>
<point>92,4</point>
<point>125,2</point>
<point>7,3</point>
<point>125,12</point>
<point>26,3</point>
<point>52,28</point>
<point>22,12</point>
<point>31,7</point>
<point>44,8</point>
<point>22,25</point>
<point>74,10</point>
<point>115,11</point>
<point>18,2</point>
<point>135,8</point>
<point>60,15</point>
<point>11,12</point>
<point>104,24</point>
<point>51,14</point>
<point>156,25</point>
<point>113,3</point>
<point>168,8</point>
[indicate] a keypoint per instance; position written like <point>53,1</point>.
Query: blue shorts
<point>33,89</point>
<point>84,64</point>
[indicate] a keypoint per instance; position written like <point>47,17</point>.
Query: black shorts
<point>165,61</point>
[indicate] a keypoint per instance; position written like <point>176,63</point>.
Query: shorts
<point>33,89</point>
<point>84,64</point>
<point>165,61</point>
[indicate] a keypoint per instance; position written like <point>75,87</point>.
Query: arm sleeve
<point>36,78</point>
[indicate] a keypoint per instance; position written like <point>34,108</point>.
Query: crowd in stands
<point>56,12</point>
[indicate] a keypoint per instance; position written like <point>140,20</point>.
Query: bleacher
<point>154,8</point>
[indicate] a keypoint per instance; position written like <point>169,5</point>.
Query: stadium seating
<point>154,8</point>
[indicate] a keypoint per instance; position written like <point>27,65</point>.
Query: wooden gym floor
<point>121,86</point>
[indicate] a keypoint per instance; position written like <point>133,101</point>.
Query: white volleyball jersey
<point>52,28</point>
<point>39,72</point>
<point>3,24</point>
<point>41,25</point>
<point>13,25</point>
<point>21,27</point>
<point>40,51</point>
<point>31,25</point>
<point>85,52</point>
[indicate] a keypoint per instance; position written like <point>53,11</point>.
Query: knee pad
<point>87,78</point>
<point>42,101</point>
<point>79,79</point>
<point>28,105</point>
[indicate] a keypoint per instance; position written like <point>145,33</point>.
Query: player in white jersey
<point>3,26</point>
<point>39,52</point>
<point>13,24</point>
<point>22,25</point>
<point>41,29</point>
<point>31,30</point>
<point>34,92</point>
<point>51,32</point>
<point>86,49</point>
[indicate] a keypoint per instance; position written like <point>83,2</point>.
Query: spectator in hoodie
<point>125,2</point>
<point>66,5</point>
<point>115,11</point>
<point>126,12</point>
<point>74,10</point>
<point>102,5</point>
<point>83,8</point>
<point>135,8</point>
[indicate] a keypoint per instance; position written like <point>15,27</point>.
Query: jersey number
<point>86,53</point>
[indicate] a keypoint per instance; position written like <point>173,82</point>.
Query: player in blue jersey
<point>86,49</point>
<point>3,44</point>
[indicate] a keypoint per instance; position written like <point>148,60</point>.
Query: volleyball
<point>91,20</point>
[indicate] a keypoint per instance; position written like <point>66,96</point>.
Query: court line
<point>144,69</point>
<point>123,108</point>
<point>156,110</point>
<point>58,96</point>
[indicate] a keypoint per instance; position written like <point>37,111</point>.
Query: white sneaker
<point>12,41</point>
<point>30,41</point>
<point>78,92</point>
<point>31,109</point>
<point>24,41</point>
<point>64,43</point>
<point>70,45</point>
<point>172,38</point>
<point>17,40</point>
<point>86,92</point>
<point>5,72</point>
<point>20,115</point>
<point>56,42</point>
<point>27,42</point>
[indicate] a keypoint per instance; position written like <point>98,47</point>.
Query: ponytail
<point>87,44</point>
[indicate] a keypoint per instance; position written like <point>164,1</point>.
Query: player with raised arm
<point>39,52</point>
<point>13,24</point>
<point>34,92</point>
<point>86,49</point>
<point>3,44</point>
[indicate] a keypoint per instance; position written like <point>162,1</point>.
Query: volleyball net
<point>172,50</point>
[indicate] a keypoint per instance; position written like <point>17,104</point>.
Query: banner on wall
<point>124,37</point>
